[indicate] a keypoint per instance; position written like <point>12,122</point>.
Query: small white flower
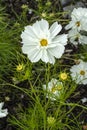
<point>30,11</point>
<point>78,19</point>
<point>75,37</point>
<point>41,42</point>
<point>54,89</point>
<point>79,73</point>
<point>84,100</point>
<point>4,112</point>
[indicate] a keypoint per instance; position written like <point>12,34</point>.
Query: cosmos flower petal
<point>29,42</point>
<point>46,57</point>
<point>60,39</point>
<point>52,83</point>
<point>35,55</point>
<point>41,28</point>
<point>3,112</point>
<point>70,25</point>
<point>29,30</point>
<point>84,81</point>
<point>84,100</point>
<point>36,27</point>
<point>51,58</point>
<point>28,49</point>
<point>55,29</point>
<point>28,38</point>
<point>57,51</point>
<point>75,37</point>
<point>2,115</point>
<point>83,39</point>
<point>1,105</point>
<point>44,87</point>
<point>44,25</point>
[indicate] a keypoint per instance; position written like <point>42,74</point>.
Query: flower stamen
<point>59,87</point>
<point>43,42</point>
<point>19,67</point>
<point>56,88</point>
<point>82,72</point>
<point>53,89</point>
<point>78,23</point>
<point>63,76</point>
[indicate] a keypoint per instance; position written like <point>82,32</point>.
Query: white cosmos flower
<point>79,73</point>
<point>54,89</point>
<point>41,42</point>
<point>4,112</point>
<point>84,100</point>
<point>78,19</point>
<point>75,37</point>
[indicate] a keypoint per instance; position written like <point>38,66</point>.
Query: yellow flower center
<point>19,67</point>
<point>63,76</point>
<point>82,72</point>
<point>53,89</point>
<point>43,14</point>
<point>57,87</point>
<point>78,23</point>
<point>43,42</point>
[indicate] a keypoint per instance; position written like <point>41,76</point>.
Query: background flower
<point>41,42</point>
<point>79,73</point>
<point>78,19</point>
<point>54,89</point>
<point>3,112</point>
<point>75,37</point>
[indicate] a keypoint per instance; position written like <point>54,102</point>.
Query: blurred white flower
<point>75,37</point>
<point>4,112</point>
<point>54,89</point>
<point>78,19</point>
<point>41,42</point>
<point>84,100</point>
<point>30,11</point>
<point>79,73</point>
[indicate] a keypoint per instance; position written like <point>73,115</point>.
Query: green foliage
<point>36,117</point>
